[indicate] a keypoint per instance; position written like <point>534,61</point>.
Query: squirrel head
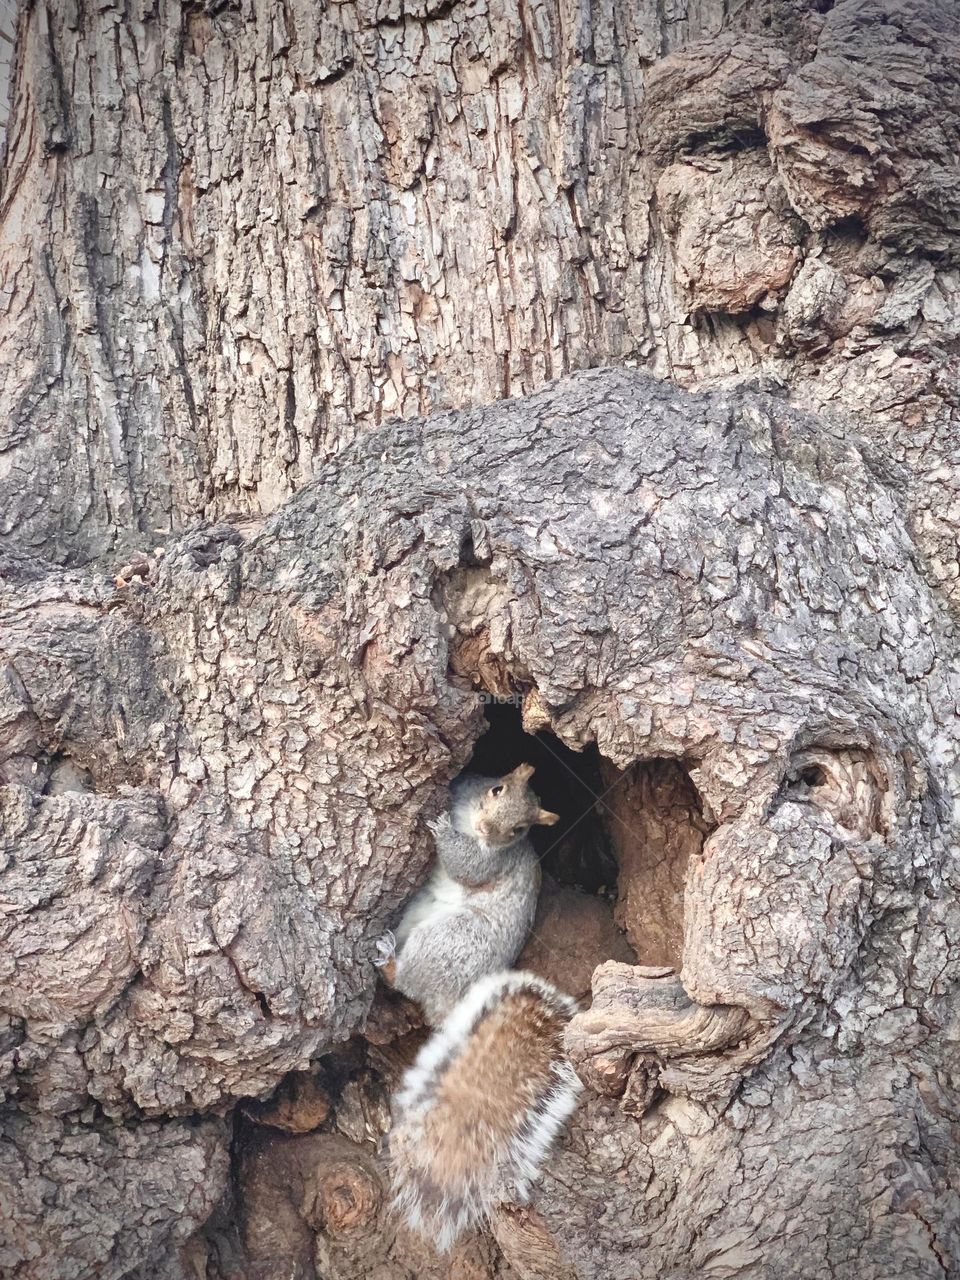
<point>508,809</point>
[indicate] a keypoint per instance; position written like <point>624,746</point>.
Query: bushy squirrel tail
<point>479,1110</point>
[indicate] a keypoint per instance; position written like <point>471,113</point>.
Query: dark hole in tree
<point>812,776</point>
<point>576,850</point>
<point>64,774</point>
<point>624,837</point>
<point>845,238</point>
<point>725,139</point>
<point>575,928</point>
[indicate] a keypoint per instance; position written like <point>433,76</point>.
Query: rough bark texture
<point>235,240</point>
<point>235,235</point>
<point>220,780</point>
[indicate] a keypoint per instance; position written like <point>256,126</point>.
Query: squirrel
<point>479,1109</point>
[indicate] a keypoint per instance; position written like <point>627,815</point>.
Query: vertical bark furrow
<point>315,220</point>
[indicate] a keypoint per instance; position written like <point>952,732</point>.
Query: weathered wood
<point>234,241</point>
<point>233,237</point>
<point>262,730</point>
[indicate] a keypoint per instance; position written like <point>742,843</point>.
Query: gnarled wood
<point>267,725</point>
<point>235,240</point>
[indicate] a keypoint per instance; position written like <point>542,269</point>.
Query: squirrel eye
<point>518,831</point>
<point>495,791</point>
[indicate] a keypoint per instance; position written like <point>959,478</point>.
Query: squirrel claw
<point>386,950</point>
<point>439,825</point>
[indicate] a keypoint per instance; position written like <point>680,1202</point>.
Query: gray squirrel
<point>479,1109</point>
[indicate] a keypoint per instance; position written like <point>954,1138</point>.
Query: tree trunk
<point>236,242</point>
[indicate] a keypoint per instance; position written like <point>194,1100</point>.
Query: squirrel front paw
<point>386,950</point>
<point>440,826</point>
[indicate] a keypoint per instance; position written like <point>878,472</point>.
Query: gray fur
<point>474,914</point>
<point>440,1209</point>
<point>471,861</point>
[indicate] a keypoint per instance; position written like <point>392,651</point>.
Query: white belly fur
<point>439,897</point>
<point>462,816</point>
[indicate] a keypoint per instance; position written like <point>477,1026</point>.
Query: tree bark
<point>243,249</point>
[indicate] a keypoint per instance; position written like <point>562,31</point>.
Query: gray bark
<point>718,579</point>
<point>235,237</point>
<point>236,241</point>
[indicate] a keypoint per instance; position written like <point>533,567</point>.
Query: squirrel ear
<point>545,818</point>
<point>522,772</point>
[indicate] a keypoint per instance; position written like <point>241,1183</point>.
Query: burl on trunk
<point>218,785</point>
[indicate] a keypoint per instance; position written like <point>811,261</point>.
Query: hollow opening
<point>575,852</point>
<point>846,784</point>
<point>812,776</point>
<point>615,863</point>
<point>844,241</point>
<point>725,139</point>
<point>656,824</point>
<point>64,774</point>
<point>576,927</point>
